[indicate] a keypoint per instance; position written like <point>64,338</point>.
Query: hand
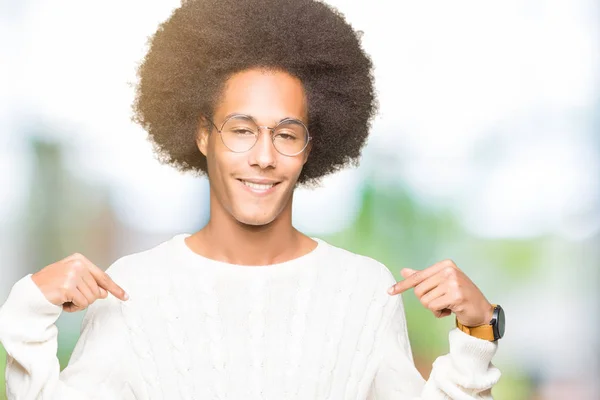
<point>444,289</point>
<point>75,283</point>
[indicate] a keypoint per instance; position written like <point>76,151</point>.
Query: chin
<point>255,219</point>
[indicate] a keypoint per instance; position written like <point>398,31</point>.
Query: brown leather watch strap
<point>485,332</point>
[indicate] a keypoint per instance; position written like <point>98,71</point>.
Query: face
<point>256,186</point>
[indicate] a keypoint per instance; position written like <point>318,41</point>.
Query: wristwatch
<point>492,331</point>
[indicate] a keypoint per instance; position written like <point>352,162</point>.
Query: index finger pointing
<point>414,279</point>
<point>406,284</point>
<point>106,282</point>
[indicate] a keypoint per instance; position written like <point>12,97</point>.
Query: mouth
<point>264,187</point>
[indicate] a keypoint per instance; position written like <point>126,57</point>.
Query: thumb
<point>442,313</point>
<point>406,272</point>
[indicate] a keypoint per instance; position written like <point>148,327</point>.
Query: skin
<point>245,228</point>
<point>75,283</point>
<point>252,229</point>
<point>444,289</point>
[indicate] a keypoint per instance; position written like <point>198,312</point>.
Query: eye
<point>286,136</point>
<point>243,132</point>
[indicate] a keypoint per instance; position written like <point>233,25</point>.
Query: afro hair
<point>204,42</point>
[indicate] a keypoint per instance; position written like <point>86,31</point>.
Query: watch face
<point>500,322</point>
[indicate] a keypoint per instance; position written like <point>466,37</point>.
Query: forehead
<point>268,96</point>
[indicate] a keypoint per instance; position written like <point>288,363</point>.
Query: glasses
<point>239,134</point>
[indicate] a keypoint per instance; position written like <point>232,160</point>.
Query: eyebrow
<point>254,119</point>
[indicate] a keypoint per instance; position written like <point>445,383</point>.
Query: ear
<point>202,137</point>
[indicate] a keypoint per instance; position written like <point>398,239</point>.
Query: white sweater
<point>321,326</point>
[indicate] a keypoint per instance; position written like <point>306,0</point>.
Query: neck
<point>226,239</point>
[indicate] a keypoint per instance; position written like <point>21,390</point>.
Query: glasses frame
<point>271,129</point>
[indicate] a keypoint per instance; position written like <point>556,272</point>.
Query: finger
<point>77,300</point>
<point>91,283</point>
<point>105,281</point>
<point>87,292</point>
<point>416,278</point>
<point>429,284</point>
<point>441,306</point>
<point>103,293</point>
<point>406,272</point>
<point>428,299</point>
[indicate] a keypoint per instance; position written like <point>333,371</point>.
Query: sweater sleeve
<point>101,366</point>
<point>465,373</point>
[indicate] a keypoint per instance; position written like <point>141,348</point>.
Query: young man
<point>260,95</point>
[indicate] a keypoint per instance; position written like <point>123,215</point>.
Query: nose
<point>263,152</point>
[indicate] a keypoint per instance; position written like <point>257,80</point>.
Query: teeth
<point>257,186</point>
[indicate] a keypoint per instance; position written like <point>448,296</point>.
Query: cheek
<point>217,159</point>
<point>291,168</point>
<point>296,166</point>
<point>224,167</point>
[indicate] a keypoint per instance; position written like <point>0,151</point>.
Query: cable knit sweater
<point>321,326</point>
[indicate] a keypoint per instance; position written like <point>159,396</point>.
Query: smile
<point>259,188</point>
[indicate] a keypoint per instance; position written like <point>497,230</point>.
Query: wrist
<point>486,316</point>
<point>492,331</point>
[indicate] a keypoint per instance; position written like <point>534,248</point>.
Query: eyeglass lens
<point>240,133</point>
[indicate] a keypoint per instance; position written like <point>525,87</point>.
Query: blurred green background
<point>486,151</point>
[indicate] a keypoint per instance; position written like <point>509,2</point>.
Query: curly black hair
<point>204,42</point>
